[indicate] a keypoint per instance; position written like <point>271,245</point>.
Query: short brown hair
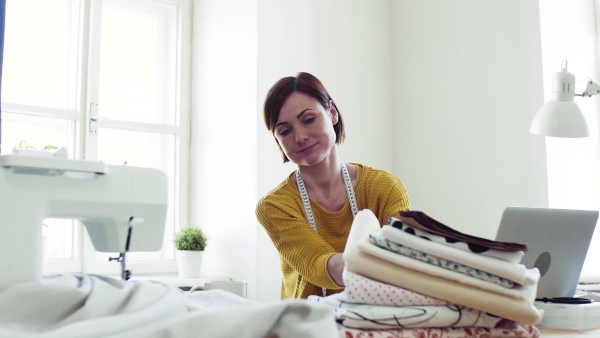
<point>304,83</point>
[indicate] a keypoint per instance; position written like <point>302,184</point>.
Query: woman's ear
<point>334,113</point>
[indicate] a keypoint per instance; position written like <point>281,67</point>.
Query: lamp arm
<point>592,88</point>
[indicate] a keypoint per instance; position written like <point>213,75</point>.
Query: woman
<point>308,216</point>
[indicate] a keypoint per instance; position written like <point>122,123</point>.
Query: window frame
<point>180,129</point>
<point>85,103</point>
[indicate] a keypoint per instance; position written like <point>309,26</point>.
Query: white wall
<point>467,80</point>
<point>440,93</point>
<point>346,45</point>
<point>223,159</point>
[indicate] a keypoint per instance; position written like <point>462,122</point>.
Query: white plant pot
<point>189,263</point>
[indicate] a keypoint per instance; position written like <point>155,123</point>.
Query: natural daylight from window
<point>101,79</point>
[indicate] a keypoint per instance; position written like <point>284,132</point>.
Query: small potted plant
<point>190,243</point>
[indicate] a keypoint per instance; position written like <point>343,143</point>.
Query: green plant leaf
<point>190,238</point>
<point>24,145</point>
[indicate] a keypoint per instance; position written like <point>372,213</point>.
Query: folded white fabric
<point>509,256</point>
<point>512,271</point>
<point>378,239</point>
<point>516,309</point>
<point>524,292</point>
<point>367,316</point>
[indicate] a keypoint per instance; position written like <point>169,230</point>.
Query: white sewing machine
<point>123,208</point>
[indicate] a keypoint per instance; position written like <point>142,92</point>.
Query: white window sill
<point>182,283</point>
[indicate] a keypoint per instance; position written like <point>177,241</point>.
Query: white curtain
<point>568,31</point>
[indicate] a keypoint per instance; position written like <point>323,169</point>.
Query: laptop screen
<point>557,241</point>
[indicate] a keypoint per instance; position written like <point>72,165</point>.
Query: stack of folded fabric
<point>418,277</point>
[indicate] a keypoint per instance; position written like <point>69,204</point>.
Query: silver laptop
<point>558,241</point>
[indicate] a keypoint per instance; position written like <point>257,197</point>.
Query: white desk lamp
<point>561,116</point>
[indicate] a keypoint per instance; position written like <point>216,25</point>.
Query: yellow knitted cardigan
<point>303,253</point>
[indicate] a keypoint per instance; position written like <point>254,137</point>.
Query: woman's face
<point>304,129</point>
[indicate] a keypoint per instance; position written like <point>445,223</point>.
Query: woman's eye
<point>309,120</point>
<point>284,132</point>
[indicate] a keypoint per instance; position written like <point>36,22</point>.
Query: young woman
<point>308,216</point>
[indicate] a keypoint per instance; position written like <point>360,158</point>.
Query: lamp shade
<point>561,117</point>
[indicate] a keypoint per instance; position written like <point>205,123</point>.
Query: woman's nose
<point>301,135</point>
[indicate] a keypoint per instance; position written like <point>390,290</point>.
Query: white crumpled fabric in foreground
<point>98,306</point>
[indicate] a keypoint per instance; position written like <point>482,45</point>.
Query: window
<point>106,79</point>
<point>568,31</point>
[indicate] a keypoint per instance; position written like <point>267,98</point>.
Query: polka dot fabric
<point>360,289</point>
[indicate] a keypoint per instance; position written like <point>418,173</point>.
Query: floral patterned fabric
<point>369,316</point>
<point>519,331</point>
